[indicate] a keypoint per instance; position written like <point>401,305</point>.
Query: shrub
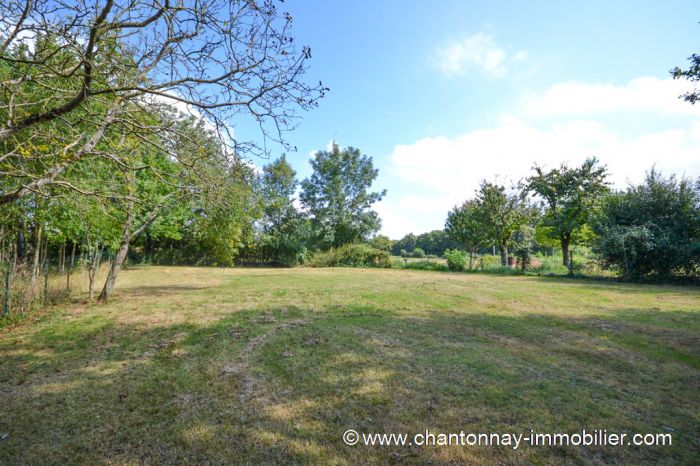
<point>381,242</point>
<point>351,255</point>
<point>488,261</point>
<point>418,253</point>
<point>456,260</point>
<point>424,265</point>
<point>652,230</point>
<point>523,245</point>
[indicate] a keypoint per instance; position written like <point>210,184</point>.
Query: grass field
<point>271,366</point>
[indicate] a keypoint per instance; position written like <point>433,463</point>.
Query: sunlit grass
<point>265,366</point>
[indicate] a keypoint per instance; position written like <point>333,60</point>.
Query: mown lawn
<point>253,366</point>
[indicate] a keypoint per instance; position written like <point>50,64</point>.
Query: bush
<point>488,261</point>
<point>424,265</point>
<point>418,253</point>
<point>351,255</point>
<point>456,260</point>
<point>652,230</point>
<point>523,245</point>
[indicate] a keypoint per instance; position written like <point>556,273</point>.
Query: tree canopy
<point>571,195</point>
<point>504,213</point>
<point>466,225</point>
<point>337,196</point>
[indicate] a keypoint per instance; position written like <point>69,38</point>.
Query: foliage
<point>503,214</point>
<point>692,74</point>
<point>338,198</point>
<point>465,224</point>
<point>488,261</point>
<point>456,260</point>
<point>75,74</point>
<point>433,243</point>
<point>523,245</point>
<point>652,230</point>
<point>426,264</point>
<point>284,232</point>
<point>381,242</point>
<point>418,253</point>
<point>571,196</point>
<point>350,255</point>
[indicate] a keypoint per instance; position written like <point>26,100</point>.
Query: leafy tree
<point>285,231</point>
<point>571,196</point>
<point>223,224</point>
<point>434,242</point>
<point>338,197</point>
<point>163,181</point>
<point>652,230</point>
<point>381,242</point>
<point>418,253</point>
<point>504,213</point>
<point>72,72</point>
<point>692,74</point>
<point>523,245</point>
<point>407,243</point>
<point>466,225</point>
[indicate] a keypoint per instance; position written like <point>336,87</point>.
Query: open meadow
<point>272,366</point>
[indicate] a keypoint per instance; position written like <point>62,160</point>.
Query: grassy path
<point>253,366</point>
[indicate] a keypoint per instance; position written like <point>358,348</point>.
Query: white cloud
<point>395,223</point>
<point>479,51</point>
<point>450,169</point>
<point>509,150</point>
<point>645,94</point>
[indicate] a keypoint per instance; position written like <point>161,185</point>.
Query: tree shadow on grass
<point>281,386</point>
<point>156,291</point>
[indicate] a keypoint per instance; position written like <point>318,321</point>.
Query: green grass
<point>271,366</point>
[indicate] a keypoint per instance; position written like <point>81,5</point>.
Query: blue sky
<point>442,94</point>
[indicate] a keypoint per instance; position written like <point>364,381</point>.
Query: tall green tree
<point>503,213</point>
<point>571,195</point>
<point>407,243</point>
<point>381,242</point>
<point>337,196</point>
<point>285,230</point>
<point>466,225</point>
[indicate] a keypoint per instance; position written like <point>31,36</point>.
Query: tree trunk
<point>504,254</point>
<point>148,249</point>
<point>571,263</point>
<point>94,256</point>
<point>471,259</point>
<point>115,268</point>
<point>46,282</point>
<point>565,241</point>
<point>37,255</point>
<point>70,265</point>
<point>61,257</point>
<point>6,289</point>
<point>21,248</point>
<point>127,236</point>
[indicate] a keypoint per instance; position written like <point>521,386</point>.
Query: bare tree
<point>72,74</point>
